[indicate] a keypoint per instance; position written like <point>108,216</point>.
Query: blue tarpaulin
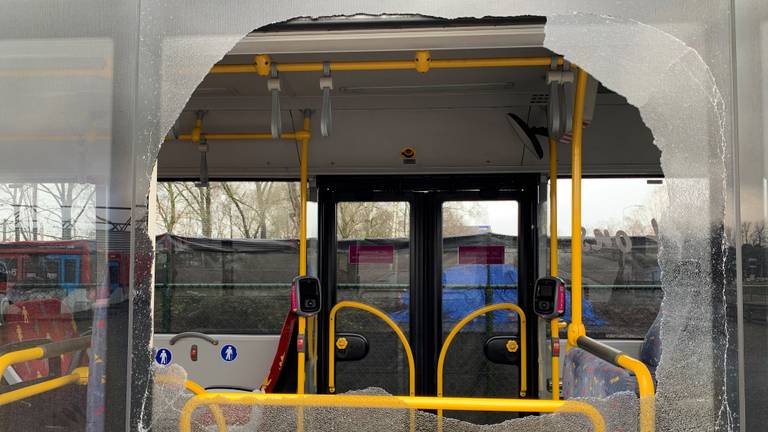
<point>465,287</point>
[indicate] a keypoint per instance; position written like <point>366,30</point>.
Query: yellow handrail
<point>304,196</point>
<point>576,330</point>
<point>390,402</point>
<point>78,376</point>
<point>218,415</point>
<point>372,310</point>
<point>20,356</point>
<point>646,390</point>
<point>299,135</point>
<point>422,62</point>
<point>455,330</point>
<point>554,325</point>
<point>197,389</point>
<point>482,311</point>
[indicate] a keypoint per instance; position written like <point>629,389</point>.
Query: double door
<point>427,251</point>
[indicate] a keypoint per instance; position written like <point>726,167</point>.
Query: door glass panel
<point>479,268</point>
<point>373,267</point>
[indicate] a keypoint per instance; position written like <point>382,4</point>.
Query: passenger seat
<point>587,376</point>
<point>32,322</point>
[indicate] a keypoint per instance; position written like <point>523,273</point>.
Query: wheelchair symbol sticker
<point>228,353</point>
<point>163,356</point>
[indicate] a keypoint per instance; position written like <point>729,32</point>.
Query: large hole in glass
<point>678,99</point>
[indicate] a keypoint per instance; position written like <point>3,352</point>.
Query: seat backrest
<point>38,319</point>
<point>650,351</point>
<point>585,375</point>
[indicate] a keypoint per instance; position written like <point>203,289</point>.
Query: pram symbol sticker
<point>228,353</point>
<point>163,356</point>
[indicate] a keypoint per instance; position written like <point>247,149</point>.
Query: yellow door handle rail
<point>372,310</point>
<point>390,402</point>
<point>479,312</point>
<point>457,328</point>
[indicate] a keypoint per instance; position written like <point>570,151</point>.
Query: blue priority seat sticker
<point>228,353</point>
<point>163,356</point>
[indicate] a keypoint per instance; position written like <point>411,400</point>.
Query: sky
<point>605,204</point>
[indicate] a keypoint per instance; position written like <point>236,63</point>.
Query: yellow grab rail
<point>197,389</point>
<point>390,402</point>
<point>577,333</point>
<point>78,376</point>
<point>43,351</point>
<point>482,311</point>
<point>421,62</point>
<point>299,135</point>
<point>576,328</point>
<point>20,356</point>
<point>372,310</point>
<point>554,324</point>
<point>301,376</point>
<point>646,389</point>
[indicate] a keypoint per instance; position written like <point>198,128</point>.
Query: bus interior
<point>384,224</point>
<point>428,200</point>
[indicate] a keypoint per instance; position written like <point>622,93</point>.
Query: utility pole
<point>34,212</point>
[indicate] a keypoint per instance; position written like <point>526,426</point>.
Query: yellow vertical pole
<point>303,198</point>
<point>576,329</point>
<point>553,206</point>
<point>553,324</point>
<point>304,195</point>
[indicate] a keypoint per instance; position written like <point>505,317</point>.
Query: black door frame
<point>426,193</point>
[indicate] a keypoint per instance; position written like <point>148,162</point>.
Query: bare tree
<point>66,196</point>
<point>456,217</point>
<point>745,232</point>
<point>240,206</point>
<point>168,206</point>
<point>758,234</point>
<point>198,199</point>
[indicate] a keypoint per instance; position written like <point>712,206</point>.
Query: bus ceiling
<point>455,119</point>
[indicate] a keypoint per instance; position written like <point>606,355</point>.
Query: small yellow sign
<point>408,153</point>
<point>512,346</point>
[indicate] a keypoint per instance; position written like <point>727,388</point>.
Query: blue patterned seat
<point>585,375</point>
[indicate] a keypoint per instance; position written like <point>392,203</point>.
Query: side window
<point>229,252</point>
<point>70,271</point>
<point>9,268</point>
<point>621,275</point>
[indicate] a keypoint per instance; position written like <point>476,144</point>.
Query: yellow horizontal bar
<point>194,387</point>
<point>79,376</point>
<point>646,389</point>
<point>393,65</point>
<point>20,356</point>
<point>245,136</point>
<point>390,402</point>
<point>493,62</point>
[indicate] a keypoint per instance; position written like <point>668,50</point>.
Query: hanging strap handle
<point>273,85</point>
<point>326,112</point>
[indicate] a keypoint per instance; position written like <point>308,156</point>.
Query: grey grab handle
<point>56,349</point>
<point>197,335</point>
